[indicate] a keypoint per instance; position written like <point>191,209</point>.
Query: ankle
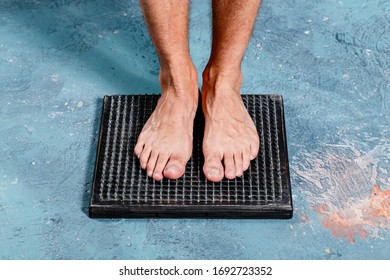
<point>216,78</point>
<point>181,76</point>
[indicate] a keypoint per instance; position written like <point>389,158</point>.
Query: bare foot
<point>165,143</point>
<point>230,139</point>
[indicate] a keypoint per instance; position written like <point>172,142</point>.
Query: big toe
<point>213,170</point>
<point>175,168</point>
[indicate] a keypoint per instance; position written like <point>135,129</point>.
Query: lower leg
<point>165,143</point>
<point>231,139</point>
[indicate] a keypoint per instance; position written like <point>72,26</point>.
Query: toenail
<point>171,167</point>
<point>230,175</point>
<point>150,173</point>
<point>214,172</point>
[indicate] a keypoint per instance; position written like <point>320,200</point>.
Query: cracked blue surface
<point>329,59</point>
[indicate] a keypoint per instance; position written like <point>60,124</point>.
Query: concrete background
<point>330,60</point>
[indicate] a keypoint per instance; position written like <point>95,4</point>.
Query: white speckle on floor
<point>80,104</point>
<point>54,77</point>
<point>29,129</point>
<point>328,250</point>
<point>53,115</point>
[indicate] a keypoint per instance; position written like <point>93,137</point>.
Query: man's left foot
<point>230,139</point>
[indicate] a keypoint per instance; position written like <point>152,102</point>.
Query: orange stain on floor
<point>344,227</point>
<point>380,203</point>
<point>361,219</point>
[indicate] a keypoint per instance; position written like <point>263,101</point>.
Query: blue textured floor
<point>329,59</point>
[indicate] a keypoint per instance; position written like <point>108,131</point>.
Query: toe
<point>160,165</point>
<point>213,168</point>
<point>144,157</point>
<point>138,148</point>
<point>230,170</point>
<point>238,164</point>
<point>152,163</point>
<point>254,149</point>
<point>175,167</point>
<point>246,156</point>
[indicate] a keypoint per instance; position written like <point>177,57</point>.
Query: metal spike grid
<point>122,189</point>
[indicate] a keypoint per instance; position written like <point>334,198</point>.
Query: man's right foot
<point>165,143</point>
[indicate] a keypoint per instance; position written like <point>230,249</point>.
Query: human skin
<point>230,139</point>
<point>165,143</point>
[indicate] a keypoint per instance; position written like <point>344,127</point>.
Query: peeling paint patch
<point>380,204</point>
<point>342,227</point>
<point>359,219</point>
<point>346,184</point>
